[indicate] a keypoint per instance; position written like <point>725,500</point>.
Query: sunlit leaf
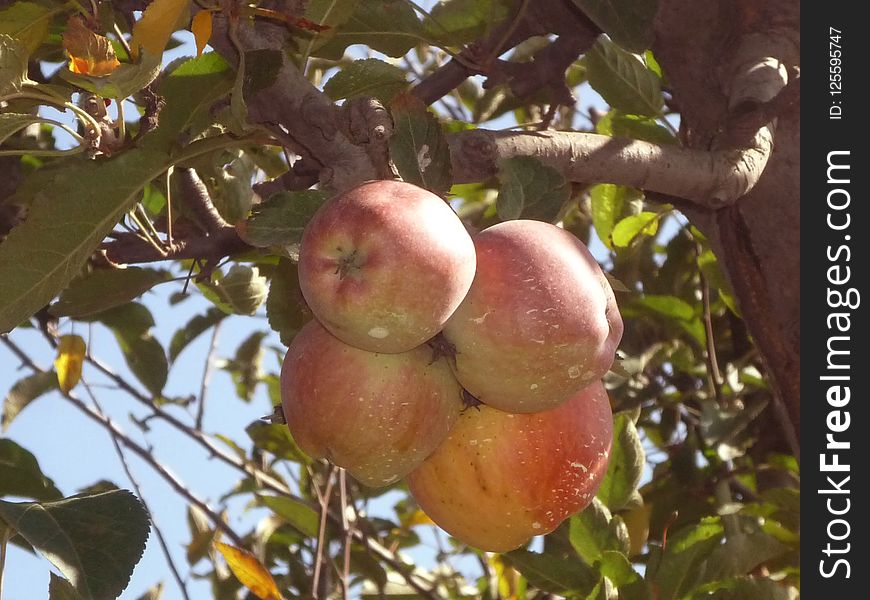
<point>159,21</point>
<point>68,363</point>
<point>24,392</point>
<point>276,439</point>
<point>20,474</point>
<point>627,229</point>
<point>595,531</point>
<point>89,53</point>
<point>201,27</point>
<point>554,573</point>
<point>75,532</point>
<point>123,81</point>
<point>462,21</point>
<point>679,569</point>
<point>61,589</point>
<point>617,123</point>
<point>250,572</point>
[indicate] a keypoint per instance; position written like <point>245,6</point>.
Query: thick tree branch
<point>710,179</point>
<point>296,112</point>
<point>129,248</point>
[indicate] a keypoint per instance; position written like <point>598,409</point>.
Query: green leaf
<point>669,306</point>
<point>276,439</point>
<point>247,366</point>
<point>20,474</point>
<point>554,573</point>
<point>76,534</point>
<point>530,190</point>
<point>131,324</point>
<point>629,23</point>
<point>41,256</point>
<point>681,565</point>
<point>27,22</point>
<point>456,22</point>
<point>617,568</point>
<point>280,220</point>
<point>123,82</point>
<point>609,202</point>
<point>230,188</point>
<point>388,26</point>
<point>296,513</point>
<point>368,77</point>
<point>418,146</point>
<point>626,230</point>
<point>241,291</point>
<point>625,468</point>
<point>617,123</point>
<point>594,531</point>
<point>25,391</point>
<point>743,552</point>
<point>727,428</point>
<point>11,123</point>
<point>285,306</point>
<point>623,80</point>
<point>13,65</point>
<point>745,588</point>
<point>104,289</point>
<point>61,589</point>
<point>190,90</point>
<point>194,328</point>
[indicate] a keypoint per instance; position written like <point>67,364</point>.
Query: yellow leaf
<point>68,364</point>
<point>89,53</point>
<point>201,29</point>
<point>159,21</point>
<point>418,517</point>
<point>250,572</point>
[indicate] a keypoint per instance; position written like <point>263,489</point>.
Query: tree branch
<point>711,179</point>
<point>296,112</point>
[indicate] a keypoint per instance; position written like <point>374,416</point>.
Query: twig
<point>713,374</point>
<point>348,535</point>
<point>508,34</point>
<point>143,453</point>
<point>129,472</point>
<point>206,375</point>
<point>321,533</point>
<point>195,195</point>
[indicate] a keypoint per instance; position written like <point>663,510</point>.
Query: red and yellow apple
<point>501,478</point>
<point>376,415</point>
<point>540,321</point>
<point>384,265</point>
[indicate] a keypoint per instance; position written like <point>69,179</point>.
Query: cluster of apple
<point>471,365</point>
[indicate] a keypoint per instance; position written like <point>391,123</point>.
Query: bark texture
<point>701,44</point>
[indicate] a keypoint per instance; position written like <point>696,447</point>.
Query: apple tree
<point>148,203</point>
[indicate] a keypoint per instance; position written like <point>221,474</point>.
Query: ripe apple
<point>376,415</point>
<point>501,478</point>
<point>384,265</point>
<point>540,321</point>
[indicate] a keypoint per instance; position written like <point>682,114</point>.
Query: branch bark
<point>710,179</point>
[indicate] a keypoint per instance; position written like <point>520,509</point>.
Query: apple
<point>384,265</point>
<point>540,321</point>
<point>501,478</point>
<point>376,415</point>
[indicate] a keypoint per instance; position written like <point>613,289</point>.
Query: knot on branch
<point>368,124</point>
